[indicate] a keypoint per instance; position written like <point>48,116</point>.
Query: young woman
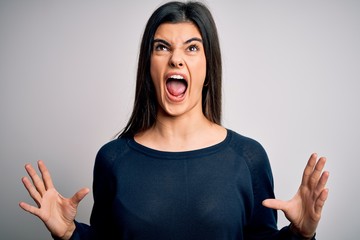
<point>174,172</point>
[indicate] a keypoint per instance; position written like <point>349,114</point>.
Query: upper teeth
<point>177,76</point>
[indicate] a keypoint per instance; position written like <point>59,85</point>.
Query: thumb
<point>80,195</point>
<point>274,204</point>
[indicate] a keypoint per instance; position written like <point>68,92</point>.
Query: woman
<point>174,172</point>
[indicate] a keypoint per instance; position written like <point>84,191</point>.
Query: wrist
<point>69,232</point>
<point>67,235</point>
<point>300,235</point>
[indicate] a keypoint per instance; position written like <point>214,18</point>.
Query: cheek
<point>154,72</point>
<point>157,66</point>
<point>199,69</point>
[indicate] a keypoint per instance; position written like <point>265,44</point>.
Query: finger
<point>29,208</point>
<point>309,169</point>
<point>275,204</point>
<point>31,190</point>
<point>322,183</point>
<point>318,169</point>
<point>320,202</point>
<point>45,175</point>
<point>79,196</point>
<point>37,181</point>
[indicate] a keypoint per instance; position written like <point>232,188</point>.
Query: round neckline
<point>179,154</point>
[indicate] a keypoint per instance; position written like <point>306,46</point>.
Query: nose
<point>176,61</point>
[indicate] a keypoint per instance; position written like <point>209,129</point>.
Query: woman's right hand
<point>57,213</point>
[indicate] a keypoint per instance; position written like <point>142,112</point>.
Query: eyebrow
<point>186,42</point>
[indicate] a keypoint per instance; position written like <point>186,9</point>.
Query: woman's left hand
<point>304,209</point>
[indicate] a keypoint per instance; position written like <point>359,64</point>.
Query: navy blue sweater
<point>214,193</point>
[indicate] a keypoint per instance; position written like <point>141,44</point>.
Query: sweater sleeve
<point>101,222</point>
<point>263,222</point>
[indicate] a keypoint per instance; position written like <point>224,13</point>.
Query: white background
<point>291,81</point>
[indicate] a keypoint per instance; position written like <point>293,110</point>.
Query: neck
<point>180,127</point>
<point>181,133</point>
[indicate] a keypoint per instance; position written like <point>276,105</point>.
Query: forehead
<point>177,31</point>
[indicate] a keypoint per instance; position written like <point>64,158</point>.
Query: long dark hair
<point>145,104</point>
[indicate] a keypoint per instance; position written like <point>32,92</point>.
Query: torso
<point>212,193</point>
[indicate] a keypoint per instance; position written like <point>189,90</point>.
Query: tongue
<point>176,87</point>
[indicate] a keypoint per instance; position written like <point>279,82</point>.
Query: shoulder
<point>114,146</point>
<point>111,151</point>
<point>250,150</point>
<point>255,157</point>
<point>245,144</point>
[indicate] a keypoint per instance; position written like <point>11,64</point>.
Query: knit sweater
<point>213,193</point>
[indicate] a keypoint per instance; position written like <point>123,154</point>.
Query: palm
<point>304,209</point>
<point>57,213</point>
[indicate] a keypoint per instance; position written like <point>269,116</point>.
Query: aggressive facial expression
<point>178,68</point>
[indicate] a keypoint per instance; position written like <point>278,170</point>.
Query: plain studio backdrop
<point>291,81</point>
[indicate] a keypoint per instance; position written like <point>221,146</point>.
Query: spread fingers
<point>37,181</point>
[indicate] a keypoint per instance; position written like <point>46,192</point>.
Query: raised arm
<point>304,209</point>
<point>57,213</point>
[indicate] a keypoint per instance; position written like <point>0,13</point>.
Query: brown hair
<point>145,103</point>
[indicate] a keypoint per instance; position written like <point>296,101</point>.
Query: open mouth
<point>176,85</point>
